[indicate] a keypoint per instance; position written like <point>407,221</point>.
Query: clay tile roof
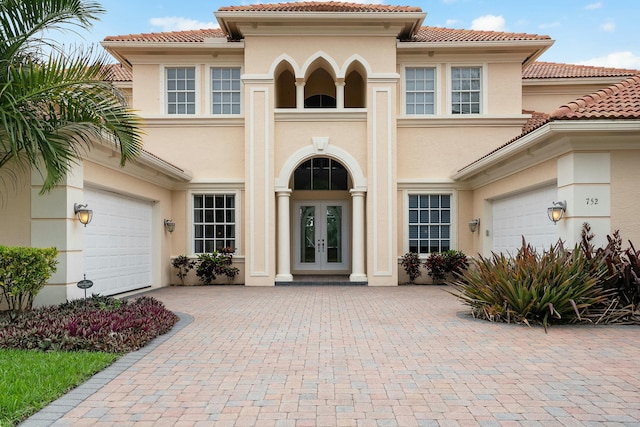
<point>191,36</point>
<point>619,101</point>
<point>118,73</point>
<point>310,6</point>
<point>438,34</point>
<point>552,70</point>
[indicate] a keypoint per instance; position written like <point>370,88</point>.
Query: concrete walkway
<point>358,356</point>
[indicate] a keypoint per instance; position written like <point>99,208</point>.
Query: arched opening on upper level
<point>285,86</point>
<point>355,86</point>
<point>320,86</point>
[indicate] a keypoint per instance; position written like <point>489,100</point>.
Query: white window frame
<point>453,230</point>
<point>191,242</point>
<point>164,107</point>
<point>483,88</point>
<point>209,89</point>
<point>437,91</point>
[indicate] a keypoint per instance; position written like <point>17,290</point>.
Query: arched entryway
<point>320,200</point>
<point>321,217</point>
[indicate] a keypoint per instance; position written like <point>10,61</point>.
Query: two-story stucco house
<point>331,138</point>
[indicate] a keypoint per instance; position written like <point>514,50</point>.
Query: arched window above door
<point>321,173</point>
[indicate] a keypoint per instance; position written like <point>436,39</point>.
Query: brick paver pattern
<point>365,356</point>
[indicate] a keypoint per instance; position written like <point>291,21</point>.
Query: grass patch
<point>29,380</point>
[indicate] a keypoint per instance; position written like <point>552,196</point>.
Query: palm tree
<point>55,106</point>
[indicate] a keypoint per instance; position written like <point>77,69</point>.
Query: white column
<point>283,271</point>
<point>340,94</point>
<point>357,253</point>
<point>300,93</point>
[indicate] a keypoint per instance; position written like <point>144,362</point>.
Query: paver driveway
<point>362,356</point>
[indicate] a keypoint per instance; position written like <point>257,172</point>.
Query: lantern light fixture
<point>169,225</point>
<point>474,224</point>
<point>556,212</point>
<point>83,214</point>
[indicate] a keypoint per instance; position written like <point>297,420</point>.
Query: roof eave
<point>229,20</point>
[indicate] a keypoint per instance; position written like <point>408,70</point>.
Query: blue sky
<point>592,32</point>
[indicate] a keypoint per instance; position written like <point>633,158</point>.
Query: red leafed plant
<point>99,324</point>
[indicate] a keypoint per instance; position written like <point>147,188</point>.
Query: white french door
<point>321,235</point>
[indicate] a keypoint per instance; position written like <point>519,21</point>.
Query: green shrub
<point>411,263</point>
<point>210,266</point>
<point>438,265</point>
<point>551,287</point>
<point>23,273</point>
<point>183,264</point>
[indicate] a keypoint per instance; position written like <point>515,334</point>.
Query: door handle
<point>322,245</point>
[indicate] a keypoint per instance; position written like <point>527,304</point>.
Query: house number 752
<point>591,201</point>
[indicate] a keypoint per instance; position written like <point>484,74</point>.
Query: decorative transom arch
<point>324,150</point>
<point>300,71</point>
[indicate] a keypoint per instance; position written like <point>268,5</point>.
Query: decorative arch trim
<point>305,153</point>
<point>284,58</point>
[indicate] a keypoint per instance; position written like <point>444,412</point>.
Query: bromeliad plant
<point>555,286</point>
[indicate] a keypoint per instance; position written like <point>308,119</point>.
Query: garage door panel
<point>118,243</point>
<point>524,214</point>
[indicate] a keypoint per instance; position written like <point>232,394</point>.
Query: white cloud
<point>616,60</point>
<point>177,23</point>
<point>608,27</point>
<point>593,6</point>
<point>549,25</point>
<point>489,23</point>
<point>452,22</point>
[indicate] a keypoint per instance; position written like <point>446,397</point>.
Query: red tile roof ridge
<point>550,70</point>
<point>186,36</point>
<point>322,6</point>
<point>443,34</point>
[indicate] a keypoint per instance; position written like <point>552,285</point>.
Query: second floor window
<point>465,90</point>
<point>181,90</point>
<point>225,90</point>
<point>420,91</point>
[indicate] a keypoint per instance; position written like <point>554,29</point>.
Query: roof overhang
<point>238,24</point>
<point>122,50</point>
<point>550,141</point>
<point>528,50</point>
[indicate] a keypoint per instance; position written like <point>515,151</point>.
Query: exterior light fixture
<point>84,215</point>
<point>474,224</point>
<point>169,225</point>
<point>556,212</point>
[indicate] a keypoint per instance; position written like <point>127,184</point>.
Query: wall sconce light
<point>84,215</point>
<point>556,212</point>
<point>474,224</point>
<point>169,225</point>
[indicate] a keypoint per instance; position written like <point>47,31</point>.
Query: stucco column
<point>283,271</point>
<point>340,94</point>
<point>357,253</point>
<point>300,93</point>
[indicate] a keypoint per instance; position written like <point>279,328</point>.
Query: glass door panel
<point>334,234</point>
<point>307,234</point>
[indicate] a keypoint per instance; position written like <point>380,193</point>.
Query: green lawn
<point>29,380</point>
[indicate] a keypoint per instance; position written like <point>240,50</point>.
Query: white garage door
<point>524,214</point>
<point>117,243</point>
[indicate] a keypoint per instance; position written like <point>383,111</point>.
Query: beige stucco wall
<point>15,207</point>
<point>505,91</point>
<point>208,152</point>
<point>547,98</point>
<point>260,53</point>
<point>438,152</point>
<point>625,204</point>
